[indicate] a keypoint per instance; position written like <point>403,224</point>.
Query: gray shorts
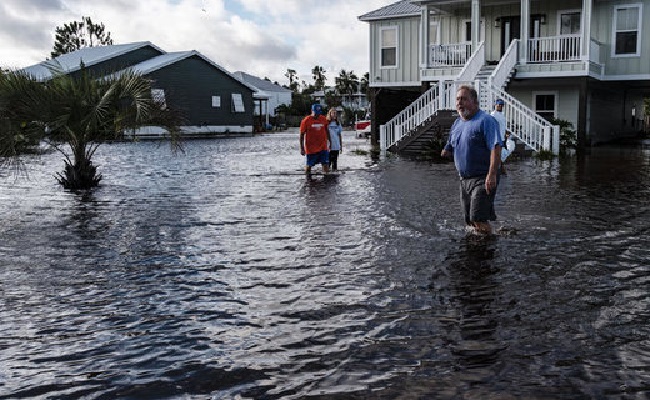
<point>477,204</point>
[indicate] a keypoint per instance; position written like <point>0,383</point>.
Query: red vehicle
<point>362,128</point>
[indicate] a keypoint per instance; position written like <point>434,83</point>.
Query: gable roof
<point>70,62</point>
<point>261,84</point>
<point>403,8</point>
<point>163,60</point>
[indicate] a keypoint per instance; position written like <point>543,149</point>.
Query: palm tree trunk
<point>82,175</point>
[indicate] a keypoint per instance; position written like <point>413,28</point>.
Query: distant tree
<point>347,82</point>
<point>293,79</point>
<point>365,84</point>
<point>318,73</point>
<point>75,115</point>
<point>79,34</point>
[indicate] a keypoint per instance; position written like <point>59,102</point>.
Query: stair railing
<point>408,119</point>
<point>473,65</point>
<point>501,73</point>
<point>524,123</point>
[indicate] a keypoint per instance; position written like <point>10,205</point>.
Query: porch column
<point>424,37</point>
<point>585,23</point>
<point>476,23</point>
<point>525,31</point>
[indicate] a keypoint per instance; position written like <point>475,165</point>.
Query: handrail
<point>501,73</point>
<point>409,118</point>
<point>527,125</point>
<point>524,123</point>
<point>473,65</point>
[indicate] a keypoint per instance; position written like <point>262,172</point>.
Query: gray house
<point>583,61</point>
<point>211,100</point>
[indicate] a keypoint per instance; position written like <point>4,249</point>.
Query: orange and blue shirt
<point>315,129</point>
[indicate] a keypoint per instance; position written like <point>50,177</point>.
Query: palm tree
<point>346,83</point>
<point>318,73</point>
<point>77,114</point>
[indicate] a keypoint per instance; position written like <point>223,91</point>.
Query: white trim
<point>639,77</point>
<point>397,46</point>
<point>395,84</point>
<point>555,94</point>
<point>157,132</point>
<point>639,30</point>
<point>550,74</point>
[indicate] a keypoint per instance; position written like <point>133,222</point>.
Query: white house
<point>276,94</point>
<point>583,61</point>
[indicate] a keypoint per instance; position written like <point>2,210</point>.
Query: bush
<point>568,135</point>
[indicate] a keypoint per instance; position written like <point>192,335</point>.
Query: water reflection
<point>473,275</point>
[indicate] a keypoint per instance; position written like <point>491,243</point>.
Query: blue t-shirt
<point>472,142</point>
<point>335,135</point>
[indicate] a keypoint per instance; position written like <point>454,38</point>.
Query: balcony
<point>551,55</point>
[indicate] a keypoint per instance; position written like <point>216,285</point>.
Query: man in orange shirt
<point>314,138</point>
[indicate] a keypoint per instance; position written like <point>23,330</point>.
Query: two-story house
<point>583,61</point>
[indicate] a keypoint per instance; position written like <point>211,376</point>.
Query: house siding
<point>602,31</point>
<point>190,84</point>
<point>407,71</point>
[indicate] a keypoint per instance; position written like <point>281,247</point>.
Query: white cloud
<point>265,39</point>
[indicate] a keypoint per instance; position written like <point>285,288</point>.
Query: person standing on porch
<point>498,114</point>
<point>314,137</point>
<point>336,137</point>
<point>476,146</point>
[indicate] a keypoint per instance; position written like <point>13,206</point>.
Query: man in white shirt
<point>501,119</point>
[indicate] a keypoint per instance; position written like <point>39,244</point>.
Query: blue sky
<point>260,37</point>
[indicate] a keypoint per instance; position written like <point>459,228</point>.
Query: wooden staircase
<point>436,128</point>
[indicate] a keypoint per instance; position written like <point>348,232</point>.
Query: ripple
<point>225,272</point>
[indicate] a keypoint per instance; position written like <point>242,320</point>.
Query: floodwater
<point>225,273</point>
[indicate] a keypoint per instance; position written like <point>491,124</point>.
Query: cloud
<point>261,37</point>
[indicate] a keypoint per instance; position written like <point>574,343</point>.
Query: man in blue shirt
<point>476,144</point>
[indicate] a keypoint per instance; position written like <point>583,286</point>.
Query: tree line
<point>346,84</point>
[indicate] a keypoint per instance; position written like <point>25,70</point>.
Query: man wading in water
<point>475,143</point>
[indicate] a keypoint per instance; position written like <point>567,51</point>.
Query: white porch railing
<point>525,124</point>
<point>449,54</point>
<point>554,48</point>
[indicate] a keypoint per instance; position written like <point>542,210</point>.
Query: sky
<point>260,37</point>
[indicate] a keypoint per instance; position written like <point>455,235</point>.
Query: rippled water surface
<point>225,273</point>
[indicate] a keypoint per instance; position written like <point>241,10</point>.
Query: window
<point>158,95</point>
<point>545,105</point>
<point>216,101</point>
<point>389,47</point>
<point>627,30</point>
<point>569,22</point>
<point>237,103</point>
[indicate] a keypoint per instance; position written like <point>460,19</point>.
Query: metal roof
<point>71,62</point>
<point>261,84</point>
<point>163,60</point>
<point>403,8</point>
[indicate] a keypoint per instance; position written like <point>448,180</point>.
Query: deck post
<point>556,139</point>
